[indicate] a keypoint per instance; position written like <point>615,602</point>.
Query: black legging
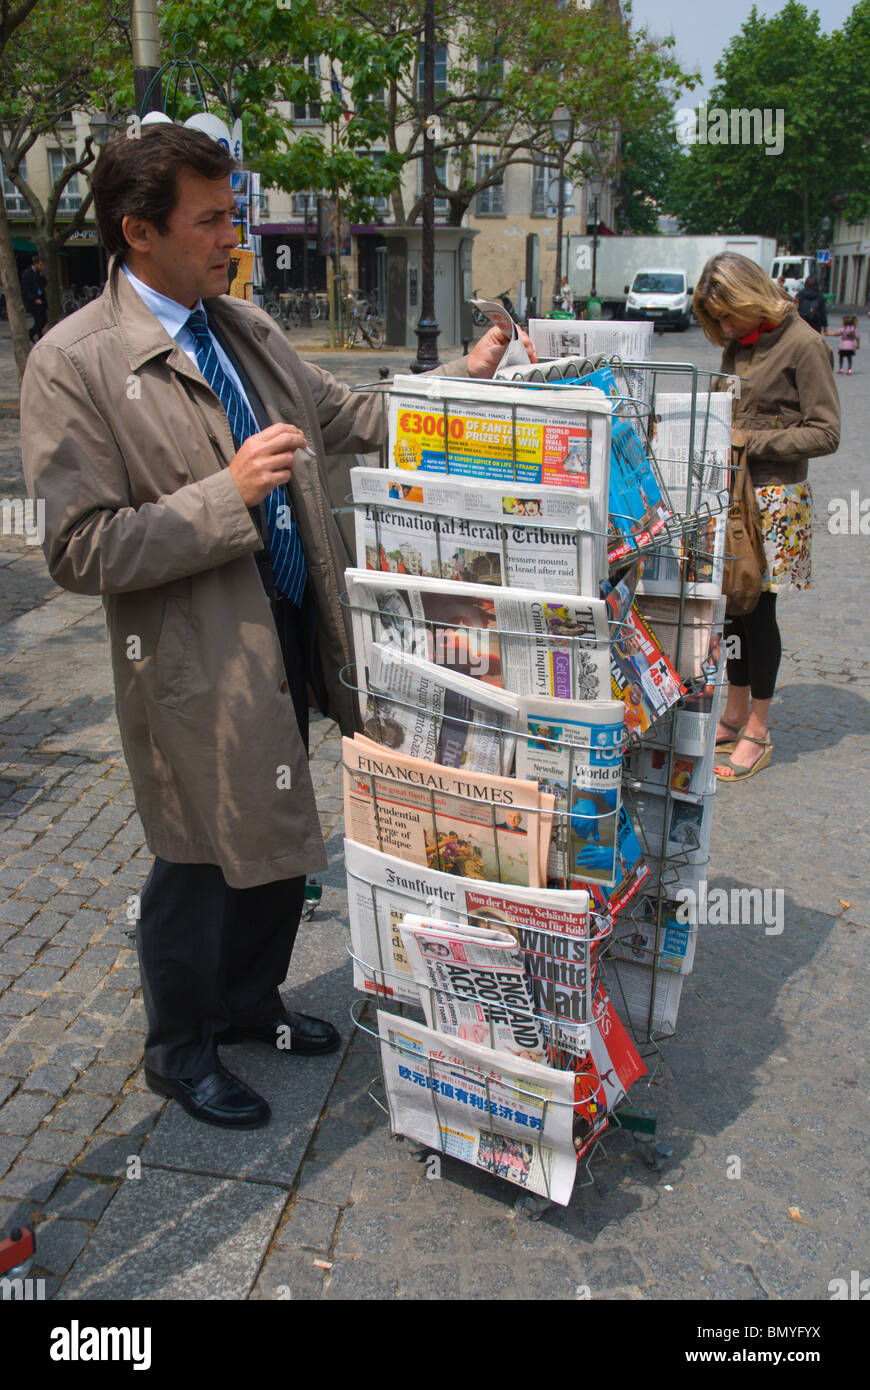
<point>760,649</point>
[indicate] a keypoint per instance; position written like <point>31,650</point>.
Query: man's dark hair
<point>811,283</point>
<point>137,177</point>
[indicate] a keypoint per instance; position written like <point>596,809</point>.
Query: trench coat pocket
<point>173,651</point>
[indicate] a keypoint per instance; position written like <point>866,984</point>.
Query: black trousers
<point>760,649</point>
<point>211,955</point>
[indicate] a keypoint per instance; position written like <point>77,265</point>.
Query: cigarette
<point>309,453</point>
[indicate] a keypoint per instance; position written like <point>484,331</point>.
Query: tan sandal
<point>727,745</point>
<point>739,773</point>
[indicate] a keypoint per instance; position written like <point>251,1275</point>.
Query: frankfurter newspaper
<point>574,751</point>
<point>552,928</point>
<point>478,532</point>
<point>515,639</point>
<point>466,823</point>
<point>505,1115</point>
<point>540,435</point>
<point>473,985</point>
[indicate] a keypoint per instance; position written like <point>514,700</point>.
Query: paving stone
<point>310,1225</point>
<point>104,1079</point>
<point>290,1275</point>
<point>24,1113</point>
<point>11,1145</point>
<point>31,1181</point>
<point>57,1146</point>
<point>55,1080</point>
<point>80,1111</point>
<point>59,1243</point>
<point>109,1158</point>
<point>137,1114</point>
<point>180,1236</point>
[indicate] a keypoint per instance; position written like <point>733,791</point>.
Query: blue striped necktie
<point>289,570</point>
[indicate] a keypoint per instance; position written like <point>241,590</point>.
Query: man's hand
<point>486,355</point>
<point>265,460</point>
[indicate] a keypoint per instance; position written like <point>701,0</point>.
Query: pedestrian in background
<point>789,412</point>
<point>811,305</point>
<point>849,342</point>
<point>33,292</point>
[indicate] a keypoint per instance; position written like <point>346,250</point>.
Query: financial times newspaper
<point>515,639</point>
<point>505,1115</point>
<point>479,532</point>
<point>467,823</point>
<point>552,929</point>
<point>473,985</point>
<point>480,429</point>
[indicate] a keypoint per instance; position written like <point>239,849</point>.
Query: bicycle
<point>365,321</point>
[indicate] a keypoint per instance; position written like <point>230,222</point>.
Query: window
<point>490,72</point>
<point>305,203</point>
<point>381,205</point>
<point>440,70</point>
<point>442,205</point>
<point>11,197</point>
<point>542,173</point>
<point>490,200</point>
<point>57,161</point>
<point>309,110</point>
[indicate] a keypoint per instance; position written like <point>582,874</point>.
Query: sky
<point>704,29</point>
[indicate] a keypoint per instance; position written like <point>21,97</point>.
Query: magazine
<point>632,871</point>
<point>695,629</point>
<point>691,773</point>
<point>615,1056</point>
<point>479,532</point>
<point>642,677</point>
<point>688,826</point>
<point>591,338</point>
<point>552,929</point>
<point>426,711</point>
<point>515,639</point>
<point>505,1115</point>
<point>466,823</point>
<point>558,436</point>
<point>473,985</point>
<point>696,720</point>
<point>574,751</point>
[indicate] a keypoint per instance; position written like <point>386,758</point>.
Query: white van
<point>795,269</point>
<point>661,295</point>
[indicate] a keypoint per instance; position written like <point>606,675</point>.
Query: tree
<point>60,58</point>
<point>649,154</point>
<point>503,68</point>
<point>819,84</point>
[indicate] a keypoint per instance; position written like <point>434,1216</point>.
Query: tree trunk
<point>18,326</point>
<point>806,192</point>
<point>49,250</point>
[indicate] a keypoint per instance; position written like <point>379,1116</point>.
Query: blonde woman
<point>789,412</point>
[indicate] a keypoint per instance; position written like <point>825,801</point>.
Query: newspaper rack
<point>639,933</point>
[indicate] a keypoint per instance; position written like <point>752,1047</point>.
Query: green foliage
<point>820,82</point>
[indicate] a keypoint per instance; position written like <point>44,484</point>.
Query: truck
<point>618,259</point>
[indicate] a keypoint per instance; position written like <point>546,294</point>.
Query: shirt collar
<point>172,315</point>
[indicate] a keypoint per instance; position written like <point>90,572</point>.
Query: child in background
<point>849,341</point>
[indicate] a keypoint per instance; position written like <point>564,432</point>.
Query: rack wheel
<point>655,1156</point>
<point>531,1206</point>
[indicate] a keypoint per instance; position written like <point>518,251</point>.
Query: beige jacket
<point>128,448</point>
<point>788,406</point>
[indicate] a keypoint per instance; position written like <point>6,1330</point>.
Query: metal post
<point>427,328</point>
<point>305,312</point>
<point>557,282</point>
<point>594,242</point>
<point>145,34</point>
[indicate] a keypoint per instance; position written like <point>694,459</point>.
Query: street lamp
<point>562,126</point>
<point>103,127</point>
<point>427,328</point>
<point>594,189</point>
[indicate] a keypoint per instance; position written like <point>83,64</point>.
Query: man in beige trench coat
<point>156,422</point>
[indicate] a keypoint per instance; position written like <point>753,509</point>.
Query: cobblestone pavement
<point>133,1199</point>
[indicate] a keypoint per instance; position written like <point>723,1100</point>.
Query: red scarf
<point>752,338</point>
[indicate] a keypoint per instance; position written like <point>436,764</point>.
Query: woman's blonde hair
<point>733,284</point>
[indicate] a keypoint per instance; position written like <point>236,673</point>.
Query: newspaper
<point>696,721</point>
<point>632,991</point>
<point>695,628</point>
<point>479,532</point>
<point>632,871</point>
<point>691,773</point>
<point>558,436</point>
<point>515,354</point>
<point>642,677</point>
<point>473,985</point>
<point>426,711</point>
<point>466,823</point>
<point>593,337</point>
<point>703,549</point>
<point>574,751</point>
<point>507,1116</point>
<point>552,928</point>
<point>635,940</point>
<point>688,826</point>
<point>515,639</point>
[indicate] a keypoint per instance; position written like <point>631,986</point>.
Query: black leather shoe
<point>218,1099</point>
<point>291,1033</point>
